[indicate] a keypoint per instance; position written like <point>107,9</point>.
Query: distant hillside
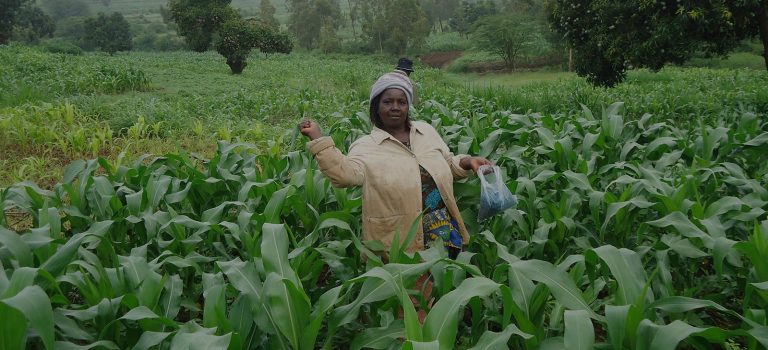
<point>146,6</point>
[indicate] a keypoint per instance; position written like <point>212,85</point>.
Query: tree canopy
<point>197,21</point>
<point>8,11</point>
<point>609,37</point>
<point>108,33</point>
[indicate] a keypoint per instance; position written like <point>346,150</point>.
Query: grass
<point>510,80</point>
<point>193,98</point>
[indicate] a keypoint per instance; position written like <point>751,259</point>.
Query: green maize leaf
<point>614,208</point>
<point>22,277</point>
<point>70,328</point>
<point>442,321</point>
<point>490,143</point>
<point>35,305</point>
<point>417,345</point>
<point>321,310</point>
<point>134,202</point>
<point>139,313</point>
<point>684,226</point>
<point>149,339</point>
<point>156,189</point>
<point>760,333</point>
<point>498,341</point>
<point>72,170</point>
<point>578,180</point>
<point>761,285</point>
<point>66,253</point>
<point>200,341</point>
<point>554,343</point>
<point>723,248</point>
<point>413,329</point>
<point>724,205</point>
<point>616,317</point>
<point>275,205</point>
<point>289,306</point>
<point>759,140</point>
<point>558,282</point>
<point>667,337</point>
<point>627,268</point>
<point>179,196</point>
<point>241,319</point>
<point>105,308</point>
<point>684,304</point>
<point>274,250</point>
<point>682,246</point>
<point>170,301</point>
<point>376,288</point>
<point>579,332</point>
<point>13,328</point>
<point>16,246</point>
<point>214,309</point>
<point>522,290</point>
<point>379,338</point>
<point>102,344</point>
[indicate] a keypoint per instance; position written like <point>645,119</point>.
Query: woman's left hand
<point>474,163</point>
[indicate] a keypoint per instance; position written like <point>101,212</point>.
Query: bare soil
<point>440,59</point>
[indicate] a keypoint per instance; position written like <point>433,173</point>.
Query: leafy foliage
<point>109,33</point>
<point>236,39</point>
<point>32,24</point>
<point>8,18</point>
<point>198,20</point>
<point>508,37</point>
<point>609,38</point>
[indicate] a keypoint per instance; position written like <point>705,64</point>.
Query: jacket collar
<point>380,135</point>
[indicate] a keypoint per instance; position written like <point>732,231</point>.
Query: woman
<point>404,167</point>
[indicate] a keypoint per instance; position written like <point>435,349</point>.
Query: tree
<point>32,24</point>
<point>308,17</point>
<point>470,12</point>
<point>508,36</point>
<point>236,39</point>
<point>198,20</point>
<point>61,9</point>
<point>267,14</point>
<point>8,11</point>
<point>395,26</point>
<point>609,37</point>
<point>109,33</point>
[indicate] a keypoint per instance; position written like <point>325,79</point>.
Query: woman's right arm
<point>343,171</point>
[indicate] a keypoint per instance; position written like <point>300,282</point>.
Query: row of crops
<point>639,226</point>
<point>629,234</point>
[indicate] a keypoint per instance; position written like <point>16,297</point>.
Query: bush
<point>59,45</point>
<point>444,42</point>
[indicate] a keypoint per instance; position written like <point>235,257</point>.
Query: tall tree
<point>32,24</point>
<point>395,26</point>
<point>198,20</point>
<point>61,9</point>
<point>608,37</point>
<point>308,17</point>
<point>8,12</point>
<point>267,14</point>
<point>510,37</point>
<point>470,12</point>
<point>109,33</point>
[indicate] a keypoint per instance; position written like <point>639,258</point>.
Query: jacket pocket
<point>383,228</point>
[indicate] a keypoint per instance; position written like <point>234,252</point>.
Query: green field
<point>641,221</point>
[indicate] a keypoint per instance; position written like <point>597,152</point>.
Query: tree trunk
<point>762,22</point>
<point>570,59</point>
<point>236,65</point>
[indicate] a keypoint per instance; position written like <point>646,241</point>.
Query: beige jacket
<point>390,176</point>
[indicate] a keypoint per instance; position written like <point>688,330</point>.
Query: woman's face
<point>393,108</point>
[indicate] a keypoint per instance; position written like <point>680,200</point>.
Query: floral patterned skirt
<point>439,223</point>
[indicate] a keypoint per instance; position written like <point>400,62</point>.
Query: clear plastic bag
<point>495,197</point>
